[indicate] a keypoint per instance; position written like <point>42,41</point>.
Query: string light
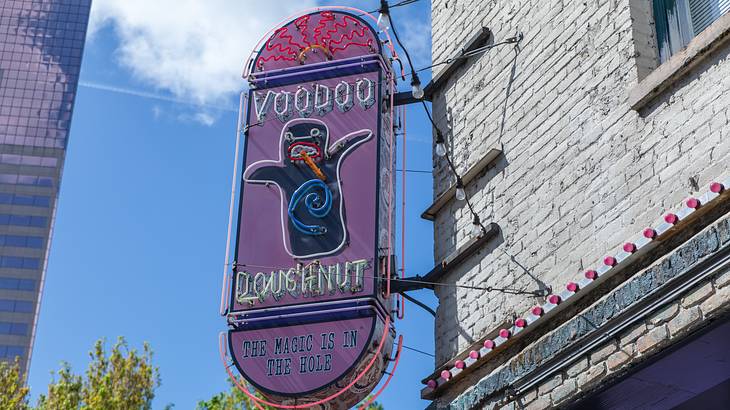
<point>476,227</point>
<point>440,148</point>
<point>440,144</point>
<point>416,88</point>
<point>460,192</point>
<point>384,18</point>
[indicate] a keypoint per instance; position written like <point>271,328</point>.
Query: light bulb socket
<point>415,81</point>
<point>417,90</point>
<point>384,7</point>
<point>439,137</point>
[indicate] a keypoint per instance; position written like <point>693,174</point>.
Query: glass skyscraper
<point>41,44</point>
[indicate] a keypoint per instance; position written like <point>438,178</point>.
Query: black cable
<point>397,39</point>
<point>459,182</point>
<point>415,171</point>
<point>472,53</point>
<point>418,351</point>
<point>421,281</point>
<point>419,303</point>
<point>384,9</point>
<point>399,4</point>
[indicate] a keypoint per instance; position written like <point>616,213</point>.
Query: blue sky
<point>140,230</point>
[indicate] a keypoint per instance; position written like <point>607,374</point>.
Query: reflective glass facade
<point>41,44</point>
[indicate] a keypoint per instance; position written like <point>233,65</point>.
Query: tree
<point>64,393</point>
<point>235,399</point>
<point>124,380</point>
<point>13,393</point>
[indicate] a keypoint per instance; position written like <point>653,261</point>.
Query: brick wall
<point>581,172</point>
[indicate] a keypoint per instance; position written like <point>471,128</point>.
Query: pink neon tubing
<point>243,388</point>
<point>226,282</point>
<point>391,205</point>
<point>401,299</point>
<point>268,34</point>
<point>390,376</point>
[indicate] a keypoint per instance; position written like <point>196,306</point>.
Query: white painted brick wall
<point>584,172</point>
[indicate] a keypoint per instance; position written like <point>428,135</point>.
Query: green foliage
<point>234,399</point>
<point>64,394</point>
<point>13,393</point>
<point>373,406</point>
<point>123,380</point>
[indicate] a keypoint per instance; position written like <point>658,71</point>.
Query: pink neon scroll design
<point>326,31</point>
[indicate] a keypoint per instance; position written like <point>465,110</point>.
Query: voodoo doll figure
<point>307,176</point>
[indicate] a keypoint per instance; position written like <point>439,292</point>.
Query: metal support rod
<point>419,303</point>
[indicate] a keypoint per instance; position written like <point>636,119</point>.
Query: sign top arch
<point>318,36</point>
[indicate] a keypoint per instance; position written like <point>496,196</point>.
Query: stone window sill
<point>679,64</point>
<point>470,175</point>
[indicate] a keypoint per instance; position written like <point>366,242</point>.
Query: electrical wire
<point>415,171</point>
<point>510,291</point>
<point>459,182</point>
<point>472,53</point>
<point>396,5</point>
<point>418,351</point>
<point>466,55</point>
<point>397,39</point>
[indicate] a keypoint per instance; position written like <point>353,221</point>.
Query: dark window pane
<point>31,263</point>
<point>7,305</point>
<point>8,283</point>
<point>23,306</point>
<point>23,200</point>
<point>12,240</point>
<point>35,242</point>
<point>13,351</point>
<point>43,201</point>
<point>26,284</point>
<point>11,262</point>
<point>20,329</point>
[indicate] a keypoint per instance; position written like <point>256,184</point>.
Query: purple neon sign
<point>308,310</point>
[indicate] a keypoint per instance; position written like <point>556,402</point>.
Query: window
<point>10,351</point>
<point>20,241</point>
<point>17,262</point>
<point>17,306</point>
<point>17,284</point>
<point>679,21</point>
<point>23,220</point>
<point>25,200</point>
<point>12,328</point>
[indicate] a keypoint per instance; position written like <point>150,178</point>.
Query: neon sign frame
<point>361,92</point>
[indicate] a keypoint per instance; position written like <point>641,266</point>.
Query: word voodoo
<point>317,98</point>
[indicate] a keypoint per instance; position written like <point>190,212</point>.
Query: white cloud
<point>415,32</point>
<point>194,49</point>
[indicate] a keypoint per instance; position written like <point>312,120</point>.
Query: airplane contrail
<point>146,94</point>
